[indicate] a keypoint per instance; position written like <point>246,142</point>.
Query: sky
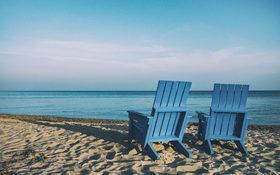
<point>131,44</point>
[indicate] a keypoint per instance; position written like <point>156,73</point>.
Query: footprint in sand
<point>108,147</point>
<point>110,155</point>
<point>95,157</point>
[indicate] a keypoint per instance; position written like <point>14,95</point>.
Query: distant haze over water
<point>263,106</point>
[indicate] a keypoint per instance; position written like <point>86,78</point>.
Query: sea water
<point>263,106</point>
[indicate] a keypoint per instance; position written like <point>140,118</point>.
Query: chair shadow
<point>193,141</point>
<point>106,132</point>
<point>113,133</point>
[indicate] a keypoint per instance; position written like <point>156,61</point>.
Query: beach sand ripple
<point>73,147</point>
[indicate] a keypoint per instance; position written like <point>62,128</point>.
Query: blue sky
<point>130,45</point>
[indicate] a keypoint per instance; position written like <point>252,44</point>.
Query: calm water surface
<point>263,106</point>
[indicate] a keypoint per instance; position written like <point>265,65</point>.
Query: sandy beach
<point>43,145</point>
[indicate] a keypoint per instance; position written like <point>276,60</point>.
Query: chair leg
<point>130,131</point>
<point>241,147</point>
<point>129,137</point>
<point>199,130</point>
<point>181,148</point>
<point>151,151</point>
<point>209,146</point>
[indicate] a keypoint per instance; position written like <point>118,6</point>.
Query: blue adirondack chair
<point>168,119</point>
<point>228,116</point>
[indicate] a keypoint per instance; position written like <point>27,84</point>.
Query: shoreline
<point>53,145</point>
<point>60,119</point>
<point>96,120</point>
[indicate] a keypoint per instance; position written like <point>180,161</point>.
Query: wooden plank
<point>185,94</point>
<point>158,124</point>
<point>163,103</point>
<point>166,94</point>
<point>165,122</point>
<point>179,94</point>
<point>244,95</point>
<point>228,106</point>
<point>221,105</point>
<point>218,124</point>
<point>163,138</point>
<point>172,109</point>
<point>172,116</point>
<point>139,135</point>
<point>177,116</point>
<point>212,124</point>
<point>173,93</point>
<point>230,96</point>
<point>235,107</point>
<point>244,128</point>
<point>231,125</point>
<point>159,93</point>
<point>214,104</point>
<point>177,101</point>
<point>157,102</point>
<point>171,123</point>
<point>223,97</point>
<point>240,110</point>
<point>237,97</point>
<point>225,124</point>
<point>152,152</point>
<point>140,127</point>
<point>216,96</point>
<point>166,115</point>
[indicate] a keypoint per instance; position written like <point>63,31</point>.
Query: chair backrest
<point>228,109</point>
<point>170,98</point>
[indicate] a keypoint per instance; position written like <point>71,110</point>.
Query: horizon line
<point>110,90</point>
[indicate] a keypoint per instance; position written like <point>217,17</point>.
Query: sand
<point>49,145</point>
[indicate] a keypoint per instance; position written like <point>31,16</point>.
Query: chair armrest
<point>139,116</point>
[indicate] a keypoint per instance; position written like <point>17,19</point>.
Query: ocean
<point>263,106</point>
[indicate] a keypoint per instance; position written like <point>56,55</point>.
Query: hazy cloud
<point>84,60</point>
